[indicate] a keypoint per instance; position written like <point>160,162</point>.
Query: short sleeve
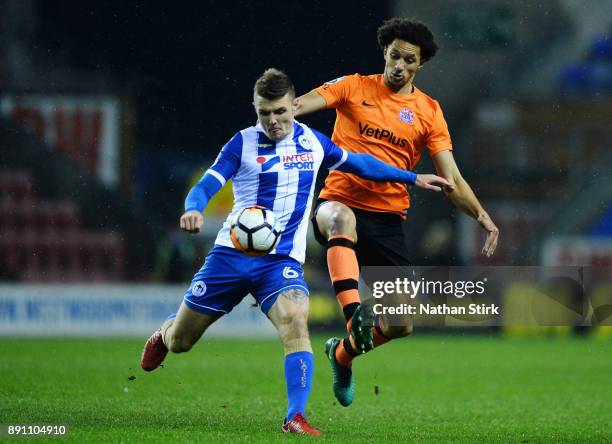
<point>334,156</point>
<point>337,91</point>
<point>438,138</point>
<point>228,161</point>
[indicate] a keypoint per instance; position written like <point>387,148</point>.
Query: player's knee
<point>342,222</point>
<point>338,220</point>
<point>398,331</point>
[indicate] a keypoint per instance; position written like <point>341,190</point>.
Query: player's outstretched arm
<point>464,198</point>
<point>191,221</point>
<point>371,168</point>
<point>309,103</point>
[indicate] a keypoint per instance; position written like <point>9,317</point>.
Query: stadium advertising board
<point>107,310</point>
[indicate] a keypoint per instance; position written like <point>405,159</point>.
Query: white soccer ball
<point>255,231</point>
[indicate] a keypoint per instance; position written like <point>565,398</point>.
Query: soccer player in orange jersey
<point>360,221</point>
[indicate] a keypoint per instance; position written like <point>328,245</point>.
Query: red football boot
<point>154,352</point>
<point>298,424</point>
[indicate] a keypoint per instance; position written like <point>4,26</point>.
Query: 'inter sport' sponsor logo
<point>381,134</point>
<point>300,161</point>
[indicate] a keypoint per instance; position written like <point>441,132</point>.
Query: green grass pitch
<point>430,389</point>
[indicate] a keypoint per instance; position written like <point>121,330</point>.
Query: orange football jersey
<point>370,118</point>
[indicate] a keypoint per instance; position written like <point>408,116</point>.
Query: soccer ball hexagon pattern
<point>255,231</point>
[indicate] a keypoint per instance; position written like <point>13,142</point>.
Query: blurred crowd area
<point>109,113</point>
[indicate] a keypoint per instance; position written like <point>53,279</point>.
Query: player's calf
<point>289,314</point>
<point>177,334</point>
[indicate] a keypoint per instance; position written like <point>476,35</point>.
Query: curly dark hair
<point>411,31</point>
<point>274,84</point>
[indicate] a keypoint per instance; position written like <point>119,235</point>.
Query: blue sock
<point>299,368</point>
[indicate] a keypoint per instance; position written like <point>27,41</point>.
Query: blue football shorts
<point>228,275</point>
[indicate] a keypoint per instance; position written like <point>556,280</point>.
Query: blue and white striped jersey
<point>276,175</point>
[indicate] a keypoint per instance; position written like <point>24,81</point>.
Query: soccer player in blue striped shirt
<point>273,164</point>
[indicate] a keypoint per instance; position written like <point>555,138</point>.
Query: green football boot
<point>361,329</point>
<point>342,377</point>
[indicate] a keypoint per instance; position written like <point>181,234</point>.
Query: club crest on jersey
<point>305,142</point>
<point>406,115</point>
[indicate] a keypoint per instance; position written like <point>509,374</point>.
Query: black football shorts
<point>380,238</point>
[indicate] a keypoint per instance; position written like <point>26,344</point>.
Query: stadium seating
<point>43,241</point>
